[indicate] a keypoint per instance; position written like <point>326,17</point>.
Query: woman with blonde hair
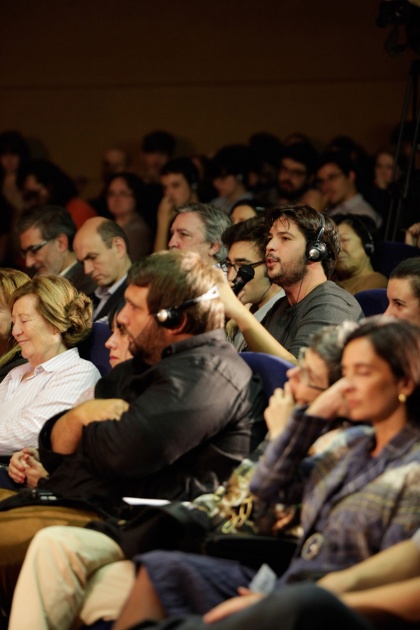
<point>50,317</point>
<point>10,357</point>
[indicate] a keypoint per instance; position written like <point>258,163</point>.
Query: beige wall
<point>81,75</point>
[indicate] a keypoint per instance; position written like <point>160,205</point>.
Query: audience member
<point>246,243</point>
<point>379,192</point>
<point>125,196</point>
<point>102,247</point>
<point>118,342</point>
<point>336,179</point>
<point>354,271</point>
<point>14,154</point>
<point>300,256</point>
<point>46,240</point>
<point>179,178</point>
<point>44,183</point>
<point>347,515</point>
<point>296,177</point>
<point>10,356</point>
<point>231,167</point>
<point>380,592</point>
<point>49,318</point>
<point>267,151</point>
<point>115,160</point>
<point>107,580</point>
<point>157,449</point>
<point>199,228</point>
<point>404,291</point>
<point>25,466</point>
<point>243,210</point>
<point>157,148</point>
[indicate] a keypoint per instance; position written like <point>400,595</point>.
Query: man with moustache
<point>295,181</point>
<point>300,256</point>
<point>155,428</point>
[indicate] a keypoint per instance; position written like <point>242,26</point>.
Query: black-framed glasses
<point>239,265</point>
<point>304,373</point>
<point>33,249</point>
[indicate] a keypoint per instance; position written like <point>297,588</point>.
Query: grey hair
<point>215,222</point>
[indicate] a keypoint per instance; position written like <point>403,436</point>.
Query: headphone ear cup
<point>169,318</point>
<point>369,248</point>
<point>316,251</point>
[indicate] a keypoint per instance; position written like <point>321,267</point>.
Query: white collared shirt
<point>26,404</point>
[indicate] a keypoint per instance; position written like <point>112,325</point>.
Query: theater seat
<point>271,369</point>
<point>389,253</point>
<point>372,301</point>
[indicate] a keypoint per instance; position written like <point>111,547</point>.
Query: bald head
<point>101,246</point>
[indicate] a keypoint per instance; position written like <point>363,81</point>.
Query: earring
<point>402,398</point>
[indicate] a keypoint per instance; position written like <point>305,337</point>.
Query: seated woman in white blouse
<point>49,318</point>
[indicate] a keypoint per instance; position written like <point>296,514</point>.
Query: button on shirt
<point>26,404</point>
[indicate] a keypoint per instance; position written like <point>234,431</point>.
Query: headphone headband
<point>171,317</point>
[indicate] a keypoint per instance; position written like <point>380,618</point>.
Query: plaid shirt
<point>360,504</point>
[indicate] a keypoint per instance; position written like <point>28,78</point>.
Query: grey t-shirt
<point>327,304</point>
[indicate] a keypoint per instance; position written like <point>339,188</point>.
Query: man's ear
<point>62,241</point>
<point>352,177</point>
<point>214,248</point>
<point>119,244</point>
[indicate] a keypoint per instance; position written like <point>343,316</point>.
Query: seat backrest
<point>271,369</point>
<point>389,253</point>
<point>93,349</point>
<point>372,301</point>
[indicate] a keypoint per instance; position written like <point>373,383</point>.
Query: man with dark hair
<point>102,247</point>
<point>179,179</point>
<point>157,148</point>
<point>296,176</point>
<point>246,242</point>
<point>46,240</point>
<point>199,227</point>
<point>171,423</point>
<point>336,179</point>
<point>301,254</point>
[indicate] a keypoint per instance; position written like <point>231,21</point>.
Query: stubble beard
<point>290,274</point>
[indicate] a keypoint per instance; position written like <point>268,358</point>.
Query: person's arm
<point>257,338</point>
<point>67,431</point>
<point>400,601</point>
<point>397,563</point>
<point>165,215</point>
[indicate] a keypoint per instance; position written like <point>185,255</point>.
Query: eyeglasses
<point>33,249</point>
<point>292,172</point>
<point>304,373</point>
<point>237,266</point>
<point>120,193</point>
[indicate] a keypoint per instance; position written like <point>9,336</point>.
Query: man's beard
<point>290,274</point>
<point>149,343</point>
<point>292,195</point>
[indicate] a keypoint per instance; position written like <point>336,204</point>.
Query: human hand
<point>280,406</point>
<point>232,304</point>
<point>338,581</point>
<point>166,209</point>
<point>235,604</point>
<point>34,471</point>
<point>412,235</point>
<point>331,404</point>
<point>18,464</point>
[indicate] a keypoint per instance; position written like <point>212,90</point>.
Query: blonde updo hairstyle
<point>67,310</point>
<point>10,280</point>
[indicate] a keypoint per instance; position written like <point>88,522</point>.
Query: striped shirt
<point>26,404</point>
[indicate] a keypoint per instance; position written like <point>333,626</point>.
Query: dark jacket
<point>189,424</point>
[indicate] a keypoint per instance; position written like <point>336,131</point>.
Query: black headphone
<point>171,317</point>
<point>366,237</point>
<point>317,250</point>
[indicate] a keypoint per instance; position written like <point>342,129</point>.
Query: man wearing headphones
<point>354,271</point>
<point>300,256</point>
<point>171,423</point>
